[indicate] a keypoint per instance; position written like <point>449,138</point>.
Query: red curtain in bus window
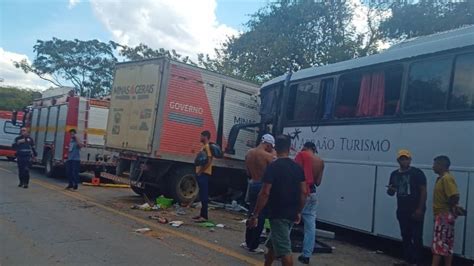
<point>372,95</point>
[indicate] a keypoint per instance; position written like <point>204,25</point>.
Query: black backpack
<point>201,159</point>
<point>216,150</point>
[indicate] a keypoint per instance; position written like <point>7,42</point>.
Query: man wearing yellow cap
<point>409,183</point>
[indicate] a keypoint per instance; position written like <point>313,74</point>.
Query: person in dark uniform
<point>25,150</point>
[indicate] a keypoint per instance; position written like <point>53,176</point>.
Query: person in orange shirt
<point>203,173</point>
<point>445,203</point>
<point>313,168</point>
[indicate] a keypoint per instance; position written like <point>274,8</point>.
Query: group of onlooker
<point>409,184</point>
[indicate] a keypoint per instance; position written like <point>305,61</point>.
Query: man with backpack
<point>203,173</point>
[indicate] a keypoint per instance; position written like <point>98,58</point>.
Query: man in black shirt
<point>409,183</point>
<point>25,149</point>
<point>283,189</point>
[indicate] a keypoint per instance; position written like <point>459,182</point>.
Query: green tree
<point>289,35</point>
<point>87,65</point>
<point>143,51</point>
<point>425,17</point>
<point>14,98</point>
<point>292,34</point>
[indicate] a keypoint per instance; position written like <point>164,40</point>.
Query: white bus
<point>417,95</point>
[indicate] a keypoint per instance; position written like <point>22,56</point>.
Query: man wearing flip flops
<point>203,173</point>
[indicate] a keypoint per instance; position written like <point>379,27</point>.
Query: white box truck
<point>158,109</point>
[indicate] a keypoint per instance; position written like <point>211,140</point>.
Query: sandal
<point>200,220</point>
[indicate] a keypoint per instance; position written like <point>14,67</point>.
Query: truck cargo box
<point>159,108</point>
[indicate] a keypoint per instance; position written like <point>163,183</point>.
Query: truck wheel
<point>183,185</point>
<point>49,168</point>
<point>138,190</point>
<point>10,158</point>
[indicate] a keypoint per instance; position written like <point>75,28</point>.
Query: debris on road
<point>325,234</point>
<point>106,185</point>
<point>163,202</point>
<point>176,223</point>
<point>207,224</point>
<point>161,220</point>
<point>179,209</point>
<point>145,207</point>
<point>220,225</point>
<point>234,206</point>
<point>142,230</point>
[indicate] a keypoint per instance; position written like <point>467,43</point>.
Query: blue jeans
<point>203,183</point>
<point>72,171</point>
<point>309,220</point>
<point>252,235</point>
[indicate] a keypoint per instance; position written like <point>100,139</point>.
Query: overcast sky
<point>189,26</point>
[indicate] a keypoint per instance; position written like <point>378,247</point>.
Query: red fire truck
<point>50,120</point>
<point>9,130</point>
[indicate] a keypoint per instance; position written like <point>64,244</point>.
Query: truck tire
<point>11,158</point>
<point>182,184</point>
<point>49,169</point>
<point>138,190</point>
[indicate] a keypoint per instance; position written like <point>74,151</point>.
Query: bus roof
<point>423,45</point>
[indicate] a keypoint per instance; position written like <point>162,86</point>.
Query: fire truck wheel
<point>49,168</point>
<point>183,185</point>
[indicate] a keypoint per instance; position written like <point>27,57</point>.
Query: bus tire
<point>182,184</point>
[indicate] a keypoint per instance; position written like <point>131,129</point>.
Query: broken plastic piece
<point>142,230</point>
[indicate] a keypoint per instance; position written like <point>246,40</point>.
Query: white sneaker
<point>244,246</point>
<point>257,251</point>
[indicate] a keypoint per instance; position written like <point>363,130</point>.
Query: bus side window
<point>462,95</point>
<point>348,94</point>
<point>373,93</point>
<point>303,101</point>
<point>328,90</point>
<point>428,84</point>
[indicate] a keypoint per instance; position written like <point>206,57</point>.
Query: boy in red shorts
<point>445,201</point>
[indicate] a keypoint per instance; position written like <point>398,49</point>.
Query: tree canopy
<point>88,65</point>
<point>290,34</point>
<point>426,17</point>
<point>143,51</point>
<point>284,35</point>
<point>13,98</point>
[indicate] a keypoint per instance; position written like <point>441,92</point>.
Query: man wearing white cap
<point>409,183</point>
<point>256,161</point>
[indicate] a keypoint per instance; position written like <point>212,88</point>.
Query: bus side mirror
<point>14,117</point>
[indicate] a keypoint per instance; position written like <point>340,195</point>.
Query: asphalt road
<point>46,225</point>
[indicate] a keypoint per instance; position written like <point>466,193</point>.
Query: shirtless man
<point>256,161</point>
<point>313,168</point>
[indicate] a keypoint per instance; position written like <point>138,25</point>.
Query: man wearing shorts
<point>445,201</point>
<point>283,189</point>
<point>256,161</point>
